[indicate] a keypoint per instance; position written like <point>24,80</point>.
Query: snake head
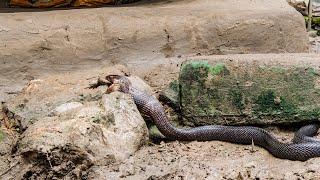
<point>118,83</point>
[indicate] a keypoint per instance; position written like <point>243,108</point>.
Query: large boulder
<point>70,126</point>
<point>67,144</point>
<point>249,89</point>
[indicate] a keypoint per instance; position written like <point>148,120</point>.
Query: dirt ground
<point>207,160</point>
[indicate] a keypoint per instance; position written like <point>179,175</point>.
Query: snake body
<point>302,148</point>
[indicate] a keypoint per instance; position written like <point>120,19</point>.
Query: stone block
<point>250,89</point>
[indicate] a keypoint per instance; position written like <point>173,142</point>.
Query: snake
<point>303,146</point>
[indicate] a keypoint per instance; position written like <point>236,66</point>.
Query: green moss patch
<point>271,104</point>
<point>218,69</point>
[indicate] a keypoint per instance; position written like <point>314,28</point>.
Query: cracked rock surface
<point>75,135</point>
<point>40,43</point>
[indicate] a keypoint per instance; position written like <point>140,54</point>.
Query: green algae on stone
<point>237,98</point>
<point>247,94</point>
<point>278,69</point>
<point>174,85</point>
<point>218,69</point>
<point>171,95</point>
<point>192,80</point>
<point>197,71</point>
<point>269,103</point>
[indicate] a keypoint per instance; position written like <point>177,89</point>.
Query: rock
<point>72,142</point>
<point>66,42</point>
<point>67,107</point>
<point>300,5</point>
<point>140,84</point>
<point>313,34</point>
<point>128,131</point>
<point>7,141</point>
<point>89,112</point>
<point>10,127</point>
<point>245,89</point>
<point>117,69</point>
<point>171,95</point>
<point>55,95</point>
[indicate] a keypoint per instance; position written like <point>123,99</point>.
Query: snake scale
<point>302,148</point>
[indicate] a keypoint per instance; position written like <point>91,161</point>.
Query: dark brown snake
<point>302,148</point>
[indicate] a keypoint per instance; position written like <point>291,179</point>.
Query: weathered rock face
<point>35,44</point>
<point>70,127</point>
<point>6,142</point>
<point>80,137</point>
<point>129,130</point>
<point>249,90</point>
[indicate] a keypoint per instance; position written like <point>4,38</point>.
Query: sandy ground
<point>208,160</point>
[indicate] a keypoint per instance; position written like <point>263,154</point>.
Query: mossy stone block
<point>242,95</point>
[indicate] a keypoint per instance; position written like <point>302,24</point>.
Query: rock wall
<point>36,44</point>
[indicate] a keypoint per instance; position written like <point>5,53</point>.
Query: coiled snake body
<point>302,148</point>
